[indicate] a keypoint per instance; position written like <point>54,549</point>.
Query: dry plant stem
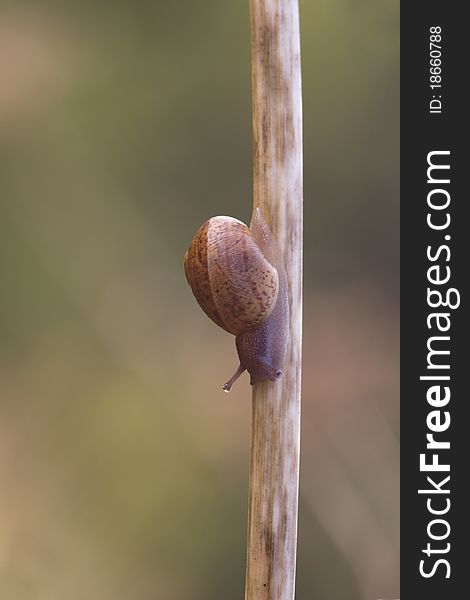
<point>275,436</point>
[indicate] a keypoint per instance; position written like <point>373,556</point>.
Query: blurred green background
<point>123,467</point>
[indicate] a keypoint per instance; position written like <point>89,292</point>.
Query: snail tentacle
<point>228,385</point>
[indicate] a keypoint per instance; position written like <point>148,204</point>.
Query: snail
<point>238,278</point>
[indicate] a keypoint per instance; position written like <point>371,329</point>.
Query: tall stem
<point>277,169</point>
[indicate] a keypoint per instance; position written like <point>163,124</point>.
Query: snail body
<point>238,279</point>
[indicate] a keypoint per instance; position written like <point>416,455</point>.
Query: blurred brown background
<point>123,467</point>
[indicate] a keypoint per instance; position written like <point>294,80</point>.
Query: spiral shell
<point>232,281</point>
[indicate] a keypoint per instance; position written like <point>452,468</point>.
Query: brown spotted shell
<point>231,279</point>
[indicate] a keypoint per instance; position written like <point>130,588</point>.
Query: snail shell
<point>232,281</point>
